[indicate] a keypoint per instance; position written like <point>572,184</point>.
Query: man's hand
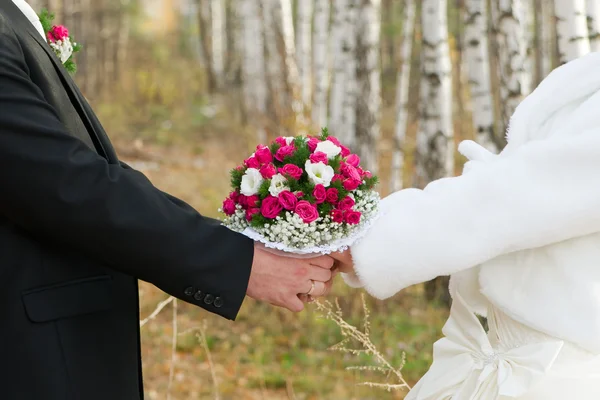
<point>282,281</point>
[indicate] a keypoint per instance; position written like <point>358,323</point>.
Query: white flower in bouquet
<point>319,173</point>
<point>278,185</point>
<point>329,148</point>
<point>251,182</point>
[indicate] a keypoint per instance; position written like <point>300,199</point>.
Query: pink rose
<point>337,216</point>
<point>288,200</point>
<point>263,155</point>
<point>308,212</point>
<point>350,172</point>
<point>242,200</point>
<point>252,162</point>
<point>332,195</point>
<point>319,156</point>
<point>345,151</point>
<point>281,141</point>
<point>346,203</point>
<point>251,212</point>
<point>235,196</point>
<point>352,217</point>
<point>270,207</point>
<point>367,174</point>
<point>320,193</point>
<point>353,160</point>
<point>334,140</point>
<point>58,32</point>
<point>312,144</point>
<point>267,171</point>
<point>337,177</point>
<point>351,184</point>
<point>229,207</point>
<point>299,194</point>
<point>284,152</point>
<point>252,201</point>
<point>291,170</point>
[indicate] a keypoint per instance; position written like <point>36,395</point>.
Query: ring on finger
<point>312,288</point>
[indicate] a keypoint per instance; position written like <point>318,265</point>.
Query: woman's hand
<point>344,262</point>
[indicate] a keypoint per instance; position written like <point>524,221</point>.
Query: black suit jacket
<point>77,229</point>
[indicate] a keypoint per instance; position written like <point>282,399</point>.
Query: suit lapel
<point>95,130</point>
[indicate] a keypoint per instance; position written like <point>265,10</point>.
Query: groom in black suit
<point>78,228</point>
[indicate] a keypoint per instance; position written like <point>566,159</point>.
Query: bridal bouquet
<point>302,195</point>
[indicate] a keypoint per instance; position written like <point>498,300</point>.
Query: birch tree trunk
<point>527,42</point>
<point>284,23</point>
<point>205,28</point>
<point>512,53</point>
<point>478,69</point>
<point>279,98</point>
<point>320,63</point>
<point>255,87</point>
<point>340,52</point>
<point>303,49</point>
<point>571,27</point>
<point>593,20</point>
<point>218,40</point>
<point>347,131</point>
<point>368,78</point>
<point>402,92</point>
<point>546,36</point>
<point>435,147</point>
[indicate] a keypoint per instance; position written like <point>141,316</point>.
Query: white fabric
<point>31,16</point>
<point>519,230</point>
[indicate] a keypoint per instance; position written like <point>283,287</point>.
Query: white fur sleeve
<point>541,193</point>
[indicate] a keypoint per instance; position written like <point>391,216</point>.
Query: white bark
<point>593,20</point>
<point>435,147</point>
<point>218,32</point>
<point>275,66</point>
<point>340,55</point>
<point>255,87</point>
<point>368,77</point>
<point>321,63</point>
<point>571,26</point>
<point>478,69</point>
<point>547,36</point>
<point>303,48</point>
<point>348,118</point>
<point>284,23</point>
<point>402,91</point>
<point>512,54</point>
<point>528,29</point>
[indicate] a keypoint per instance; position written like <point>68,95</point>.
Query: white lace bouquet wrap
<point>302,196</point>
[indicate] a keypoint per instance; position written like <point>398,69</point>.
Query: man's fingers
<point>295,304</point>
<point>318,274</point>
<point>322,261</point>
<point>319,289</point>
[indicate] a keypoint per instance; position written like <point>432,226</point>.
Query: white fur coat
<point>520,229</point>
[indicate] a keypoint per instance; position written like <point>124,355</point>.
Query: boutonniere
<point>60,41</point>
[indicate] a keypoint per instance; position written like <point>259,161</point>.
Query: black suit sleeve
<point>54,186</point>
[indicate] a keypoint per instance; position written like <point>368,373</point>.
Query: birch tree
<point>340,52</point>
<point>435,149</point>
<point>279,97</point>
<point>546,34</point>
<point>348,118</point>
<point>512,53</point>
<point>368,77</point>
<point>255,87</point>
<point>218,40</point>
<point>321,63</point>
<point>571,27</point>
<point>527,45</point>
<point>283,21</point>
<point>402,92</point>
<point>593,20</point>
<point>478,69</point>
<point>303,48</point>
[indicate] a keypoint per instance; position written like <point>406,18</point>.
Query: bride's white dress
<point>519,233</point>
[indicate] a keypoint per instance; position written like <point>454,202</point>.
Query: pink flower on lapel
<point>58,32</point>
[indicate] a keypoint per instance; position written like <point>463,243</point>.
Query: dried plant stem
<point>157,311</point>
<point>201,335</point>
<point>350,332</point>
<point>173,349</point>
